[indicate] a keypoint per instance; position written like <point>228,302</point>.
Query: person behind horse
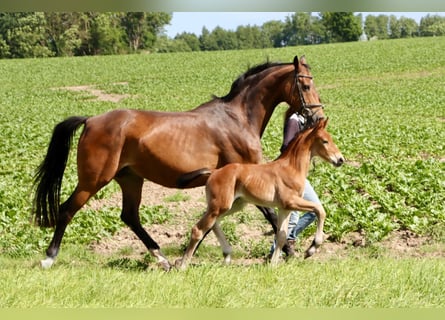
<point>293,126</point>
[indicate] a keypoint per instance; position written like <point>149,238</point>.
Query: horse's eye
<point>325,141</point>
<point>306,88</point>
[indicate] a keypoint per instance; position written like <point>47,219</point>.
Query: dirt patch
<point>99,95</point>
<point>189,204</point>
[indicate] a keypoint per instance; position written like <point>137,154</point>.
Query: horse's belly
<point>167,171</point>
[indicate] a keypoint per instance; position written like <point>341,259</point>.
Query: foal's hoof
<point>309,252</point>
<point>180,265</point>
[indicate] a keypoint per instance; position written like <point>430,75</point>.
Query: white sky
<point>194,21</point>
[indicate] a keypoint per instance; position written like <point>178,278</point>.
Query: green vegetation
<point>386,103</point>
<point>83,280</point>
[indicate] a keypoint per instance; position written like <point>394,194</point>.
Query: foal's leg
<point>206,222</point>
<point>131,185</point>
<point>281,235</point>
<point>301,204</point>
<point>271,216</point>
<point>237,205</point>
<point>67,211</point>
<point>318,239</point>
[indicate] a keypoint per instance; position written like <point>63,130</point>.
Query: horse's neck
<point>261,100</point>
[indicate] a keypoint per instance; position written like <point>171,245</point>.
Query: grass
<point>78,280</point>
<point>385,100</point>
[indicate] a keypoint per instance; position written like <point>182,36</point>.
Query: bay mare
<point>132,145</point>
<point>278,184</point>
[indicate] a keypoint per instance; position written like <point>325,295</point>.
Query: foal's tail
<point>48,177</point>
<point>186,178</point>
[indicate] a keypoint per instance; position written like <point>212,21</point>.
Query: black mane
<point>239,83</point>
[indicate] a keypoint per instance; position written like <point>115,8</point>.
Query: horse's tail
<point>48,177</point>
<point>186,178</point>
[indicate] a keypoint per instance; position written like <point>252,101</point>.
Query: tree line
<point>47,34</point>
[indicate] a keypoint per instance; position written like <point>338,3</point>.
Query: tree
<point>190,39</point>
<point>432,25</point>
<point>250,37</point>
<point>142,28</point>
<point>341,26</point>
<point>402,28</point>
<point>63,30</point>
<point>273,33</point>
<point>23,35</point>
<point>107,34</point>
<point>207,41</point>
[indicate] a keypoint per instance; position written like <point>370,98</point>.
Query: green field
<point>386,102</point>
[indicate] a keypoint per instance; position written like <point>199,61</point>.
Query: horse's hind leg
<point>131,185</point>
<point>67,211</point>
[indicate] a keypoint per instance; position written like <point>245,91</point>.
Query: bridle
<point>307,109</point>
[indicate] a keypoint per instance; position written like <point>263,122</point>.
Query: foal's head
<point>323,145</point>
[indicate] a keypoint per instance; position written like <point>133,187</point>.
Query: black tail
<point>186,178</point>
<point>48,178</point>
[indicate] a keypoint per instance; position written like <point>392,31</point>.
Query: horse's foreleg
<point>270,216</point>
<point>237,205</point>
<point>131,186</point>
<point>67,211</point>
<point>225,245</point>
<point>281,235</point>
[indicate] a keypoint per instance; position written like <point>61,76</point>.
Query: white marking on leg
<point>47,263</point>
<point>162,260</point>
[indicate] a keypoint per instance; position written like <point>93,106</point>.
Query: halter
<point>307,109</point>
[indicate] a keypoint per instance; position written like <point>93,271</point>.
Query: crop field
<point>386,104</point>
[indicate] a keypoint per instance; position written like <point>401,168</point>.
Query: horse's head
<point>305,99</point>
<point>323,145</point>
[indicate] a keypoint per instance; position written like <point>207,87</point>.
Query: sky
<point>193,22</point>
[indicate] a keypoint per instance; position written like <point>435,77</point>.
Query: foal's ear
<point>325,122</point>
<point>303,60</point>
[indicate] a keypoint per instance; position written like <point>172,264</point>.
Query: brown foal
<point>278,184</point>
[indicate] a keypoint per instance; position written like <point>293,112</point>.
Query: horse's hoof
<point>47,263</point>
<point>227,259</point>
<point>164,265</point>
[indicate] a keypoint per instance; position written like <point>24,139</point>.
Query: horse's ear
<point>296,62</point>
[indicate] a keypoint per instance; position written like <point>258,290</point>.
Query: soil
<point>98,95</point>
<point>190,204</point>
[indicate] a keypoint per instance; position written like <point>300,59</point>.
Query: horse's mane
<point>239,83</point>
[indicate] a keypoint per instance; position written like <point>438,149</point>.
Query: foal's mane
<point>304,135</point>
<point>239,83</point>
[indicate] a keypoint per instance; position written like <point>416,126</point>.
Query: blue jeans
<point>296,223</point>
